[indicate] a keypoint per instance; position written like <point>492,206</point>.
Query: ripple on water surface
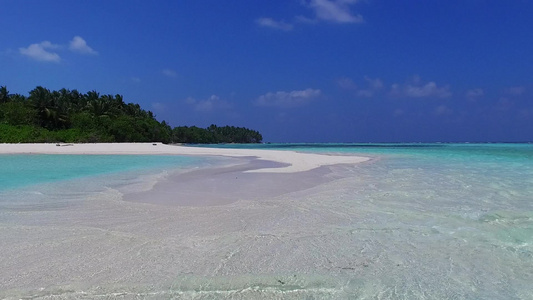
<point>425,222</point>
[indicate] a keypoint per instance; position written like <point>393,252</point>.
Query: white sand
<point>296,161</point>
<point>209,233</point>
<point>382,231</point>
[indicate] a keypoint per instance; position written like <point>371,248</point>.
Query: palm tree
<point>92,95</point>
<point>100,108</point>
<point>62,106</point>
<point>17,98</point>
<point>4,94</point>
<point>134,110</point>
<point>119,102</point>
<point>43,101</point>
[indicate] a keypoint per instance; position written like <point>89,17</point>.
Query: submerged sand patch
<point>228,184</point>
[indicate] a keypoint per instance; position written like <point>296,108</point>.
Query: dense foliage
<point>70,116</point>
<point>214,134</point>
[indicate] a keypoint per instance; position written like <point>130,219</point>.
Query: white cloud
<point>288,99</point>
<point>474,94</point>
<point>280,25</point>
<point>365,93</point>
<point>373,86</point>
<point>42,51</point>
<point>337,11</point>
<point>39,52</point>
<point>398,112</point>
<point>334,11</point>
<point>429,89</point>
<point>48,45</point>
<point>78,44</point>
<point>516,90</point>
<point>210,104</point>
<point>416,89</point>
<point>443,110</point>
<point>169,73</point>
<point>375,83</point>
<point>347,83</point>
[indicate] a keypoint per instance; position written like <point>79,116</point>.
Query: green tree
<point>4,94</point>
<point>18,113</point>
<point>45,103</point>
<point>69,116</point>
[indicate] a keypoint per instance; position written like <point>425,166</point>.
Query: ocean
<point>419,221</point>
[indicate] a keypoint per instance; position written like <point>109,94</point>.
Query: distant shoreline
<point>293,161</point>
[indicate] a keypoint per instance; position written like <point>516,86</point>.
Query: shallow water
<point>432,221</point>
<point>22,170</point>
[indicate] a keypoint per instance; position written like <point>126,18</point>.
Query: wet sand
<point>211,233</point>
<point>391,229</point>
<point>223,232</point>
<point>224,185</point>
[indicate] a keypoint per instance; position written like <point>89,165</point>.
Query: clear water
<point>22,170</point>
<point>40,182</point>
<point>442,220</point>
<point>421,221</point>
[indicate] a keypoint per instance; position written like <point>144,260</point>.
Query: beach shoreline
<point>291,161</point>
<point>421,222</point>
<point>180,213</point>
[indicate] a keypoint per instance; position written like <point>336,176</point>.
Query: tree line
<point>72,117</point>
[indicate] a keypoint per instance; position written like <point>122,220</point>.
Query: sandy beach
<point>264,224</point>
<point>252,174</point>
<point>295,162</point>
<point>174,237</point>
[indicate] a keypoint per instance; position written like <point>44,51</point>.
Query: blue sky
<point>295,70</point>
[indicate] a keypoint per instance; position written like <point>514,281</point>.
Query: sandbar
<point>291,161</point>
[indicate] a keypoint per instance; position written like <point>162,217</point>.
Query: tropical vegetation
<point>73,117</point>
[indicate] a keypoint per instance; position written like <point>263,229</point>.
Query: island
<point>69,116</point>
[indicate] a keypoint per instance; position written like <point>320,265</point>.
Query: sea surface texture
<point>419,221</point>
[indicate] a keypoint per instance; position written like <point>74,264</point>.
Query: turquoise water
<point>40,182</point>
<point>420,221</point>
<point>22,170</point>
<point>443,220</point>
<point>501,151</point>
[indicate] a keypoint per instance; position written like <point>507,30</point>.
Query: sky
<point>295,70</point>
